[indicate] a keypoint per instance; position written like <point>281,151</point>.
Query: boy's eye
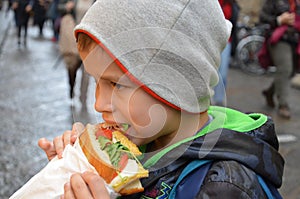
<point>116,85</point>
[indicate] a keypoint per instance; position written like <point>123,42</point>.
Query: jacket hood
<point>171,48</point>
<point>249,139</point>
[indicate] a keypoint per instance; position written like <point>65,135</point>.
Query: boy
<point>155,64</point>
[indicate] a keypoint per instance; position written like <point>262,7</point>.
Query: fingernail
<point>59,155</point>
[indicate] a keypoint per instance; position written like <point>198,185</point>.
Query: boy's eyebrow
<point>113,77</point>
<point>117,78</point>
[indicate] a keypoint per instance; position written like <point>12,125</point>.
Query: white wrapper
<point>49,182</point>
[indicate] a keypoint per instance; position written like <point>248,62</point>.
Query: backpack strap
<point>190,183</point>
<point>270,191</point>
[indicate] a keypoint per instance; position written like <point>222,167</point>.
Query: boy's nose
<point>103,100</point>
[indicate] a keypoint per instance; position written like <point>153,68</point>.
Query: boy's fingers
<point>96,185</point>
<point>60,142</point>
<point>44,144</point>
<point>59,145</point>
<point>68,193</point>
<point>66,138</point>
<point>79,187</point>
<point>48,147</point>
<point>69,137</point>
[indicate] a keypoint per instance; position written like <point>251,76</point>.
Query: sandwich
<point>114,157</point>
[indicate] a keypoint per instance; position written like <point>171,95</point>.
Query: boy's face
<point>121,101</point>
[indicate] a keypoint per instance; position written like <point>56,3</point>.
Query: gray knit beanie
<point>171,47</point>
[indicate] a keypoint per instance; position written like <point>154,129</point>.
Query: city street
<point>34,103</point>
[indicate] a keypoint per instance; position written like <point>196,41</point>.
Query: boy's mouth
<point>123,127</point>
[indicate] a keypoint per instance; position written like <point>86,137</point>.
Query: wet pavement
<point>34,103</point>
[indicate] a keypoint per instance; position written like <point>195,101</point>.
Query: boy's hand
<point>60,142</point>
<point>85,186</point>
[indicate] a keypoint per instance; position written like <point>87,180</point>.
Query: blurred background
<point>36,98</point>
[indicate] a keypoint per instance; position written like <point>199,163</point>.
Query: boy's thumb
<point>78,127</point>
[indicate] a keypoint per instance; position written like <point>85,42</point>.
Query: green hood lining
<point>222,118</point>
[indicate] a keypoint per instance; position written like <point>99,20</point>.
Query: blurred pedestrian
<point>66,7</point>
<point>75,9</point>
<point>52,15</point>
<point>283,38</point>
<point>10,7</point>
<point>40,9</point>
<point>22,10</point>
<point>230,10</point>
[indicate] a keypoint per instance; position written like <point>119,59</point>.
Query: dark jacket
<point>22,16</point>
<point>247,145</point>
<point>40,9</point>
<point>272,9</point>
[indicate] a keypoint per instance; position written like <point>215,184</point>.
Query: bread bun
<point>96,157</point>
<point>125,181</point>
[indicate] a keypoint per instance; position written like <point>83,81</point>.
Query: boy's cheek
<point>148,121</point>
<point>143,108</point>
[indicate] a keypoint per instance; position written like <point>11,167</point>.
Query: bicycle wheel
<point>246,52</point>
